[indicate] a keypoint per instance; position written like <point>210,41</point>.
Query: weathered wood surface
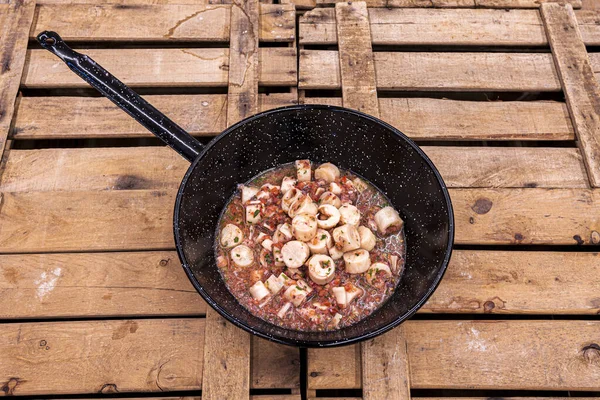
<point>97,117</point>
<point>16,20</point>
<point>556,355</point>
<point>580,86</point>
<point>449,27</point>
<point>423,118</point>
<point>356,58</point>
<point>385,367</point>
<point>155,23</point>
<point>454,3</point>
<point>242,93</point>
<point>320,69</point>
<point>134,284</point>
<point>160,67</point>
<point>127,355</point>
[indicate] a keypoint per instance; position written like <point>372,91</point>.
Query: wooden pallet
<point>92,296</point>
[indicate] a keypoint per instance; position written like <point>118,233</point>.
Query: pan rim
<point>308,343</point>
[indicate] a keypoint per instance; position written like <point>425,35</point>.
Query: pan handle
<point>125,98</point>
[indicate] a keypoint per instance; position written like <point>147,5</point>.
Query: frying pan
<point>350,139</point>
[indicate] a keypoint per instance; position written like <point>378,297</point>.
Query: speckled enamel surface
<point>350,140</point>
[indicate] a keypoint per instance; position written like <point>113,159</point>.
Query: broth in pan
<point>310,250</point>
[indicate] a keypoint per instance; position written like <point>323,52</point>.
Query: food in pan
<point>310,249</point>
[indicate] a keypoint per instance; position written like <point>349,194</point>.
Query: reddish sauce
<point>319,310</point>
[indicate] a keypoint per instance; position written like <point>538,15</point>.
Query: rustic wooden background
<point>501,94</point>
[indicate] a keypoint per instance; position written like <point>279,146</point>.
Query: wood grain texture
<point>480,355</point>
<point>226,360</point>
<point>157,23</point>
<point>357,70</point>
<point>274,365</point>
<point>69,221</point>
<point>97,117</point>
<point>319,69</point>
<point>101,356</point>
<point>455,3</point>
<point>16,21</point>
<point>242,92</point>
<point>421,118</point>
<point>526,216</point>
<point>519,283</point>
<point>509,166</point>
<point>385,367</point>
<point>589,29</point>
<point>112,284</point>
<point>96,285</point>
<point>580,86</point>
<point>192,67</point>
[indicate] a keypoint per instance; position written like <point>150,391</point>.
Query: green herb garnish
<point>323,237</point>
<point>237,239</point>
<point>256,213</point>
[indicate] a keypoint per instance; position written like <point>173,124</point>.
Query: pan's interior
<point>349,140</point>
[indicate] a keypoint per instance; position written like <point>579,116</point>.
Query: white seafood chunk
<point>303,205</point>
<point>335,253</point>
<point>330,198</point>
<point>253,211</point>
<point>353,293</point>
<point>367,238</point>
<point>304,227</point>
<point>231,236</point>
<point>273,284</point>
<point>287,183</point>
<point>248,192</point>
<point>340,295</point>
<point>278,257</point>
<point>328,216</point>
<point>394,263</point>
<point>265,191</point>
<point>321,242</point>
<point>335,321</point>
<point>283,233</point>
<point>328,172</point>
<point>388,220</point>
<point>357,261</point>
<point>335,188</point>
<point>346,238</point>
<point>284,309</point>
<point>359,184</point>
<point>242,255</point>
<point>303,170</point>
<point>349,214</point>
<point>267,244</point>
<point>295,253</point>
<point>284,279</point>
<point>375,268</point>
<point>297,293</point>
<point>289,197</point>
<point>259,291</point>
<point>321,269</point>
<point>263,256</point>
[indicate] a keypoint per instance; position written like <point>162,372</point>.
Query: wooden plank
<point>509,166</point>
<point>157,23</point>
<point>385,367</point>
<point>480,355</point>
<point>160,67</point>
<point>97,117</point>
<point>13,45</point>
<point>242,93</point>
<point>63,221</point>
<point>96,285</point>
<point>319,69</point>
<point>226,359</point>
<point>356,57</point>
<point>73,221</point>
<point>519,283</point>
<point>526,216</point>
<point>274,365</point>
<point>589,29</point>
<point>134,284</point>
<point>111,22</point>
<point>580,86</point>
<point>101,356</point>
<point>456,3</point>
<point>421,118</point>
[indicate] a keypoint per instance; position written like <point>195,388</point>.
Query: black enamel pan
<point>347,138</point>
